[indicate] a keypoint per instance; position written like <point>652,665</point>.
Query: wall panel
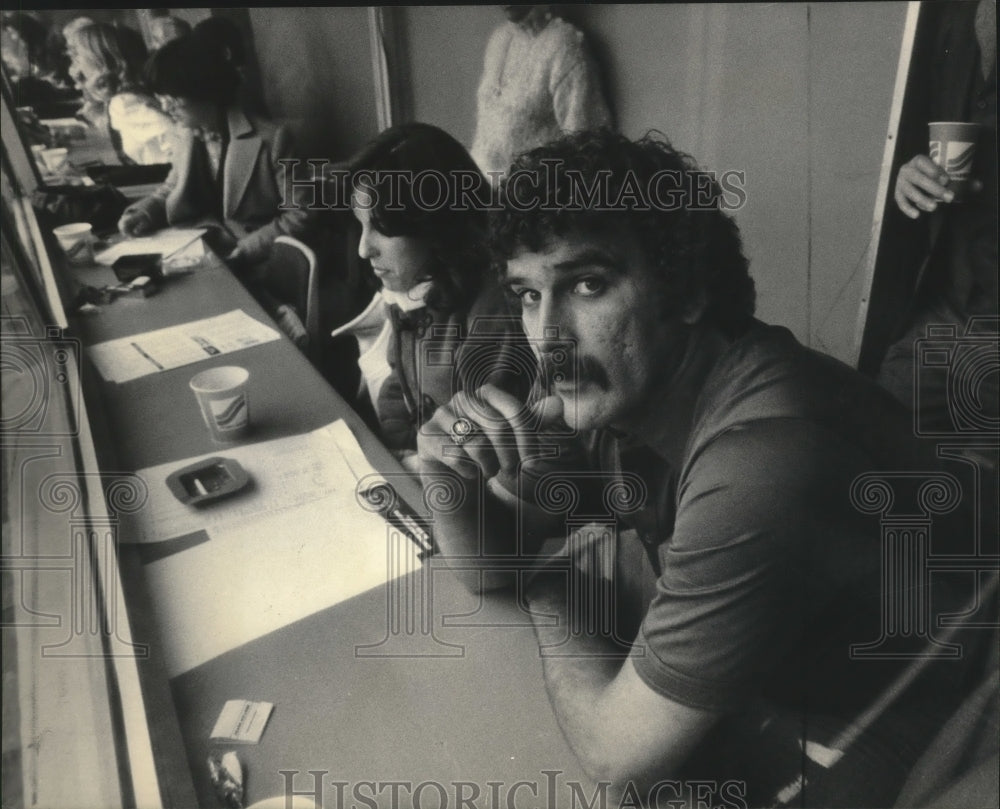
<point>315,65</point>
<point>794,94</point>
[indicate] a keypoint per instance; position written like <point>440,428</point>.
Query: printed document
<point>131,357</point>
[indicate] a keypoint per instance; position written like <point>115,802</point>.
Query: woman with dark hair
<point>420,201</point>
<point>107,65</point>
<point>224,35</point>
<point>227,165</point>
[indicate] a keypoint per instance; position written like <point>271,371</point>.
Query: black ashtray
<point>207,481</point>
<point>128,268</point>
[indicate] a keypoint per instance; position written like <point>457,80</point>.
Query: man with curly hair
<point>707,639</point>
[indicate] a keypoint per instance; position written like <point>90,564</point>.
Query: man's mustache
<point>558,366</point>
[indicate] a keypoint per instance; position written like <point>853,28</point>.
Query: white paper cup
<point>285,802</point>
<point>953,148</point>
<point>77,242</point>
<point>224,401</point>
<point>55,160</point>
<point>36,152</point>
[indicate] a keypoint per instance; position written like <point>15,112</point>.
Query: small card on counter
<point>241,721</point>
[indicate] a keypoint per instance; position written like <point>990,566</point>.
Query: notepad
<point>242,721</point>
<point>299,542</point>
<point>165,242</point>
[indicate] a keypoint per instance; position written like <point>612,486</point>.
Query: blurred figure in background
<point>56,60</point>
<point>93,112</point>
<point>71,31</point>
<point>164,29</point>
<point>37,75</point>
<point>957,279</point>
<point>109,62</point>
<point>539,81</point>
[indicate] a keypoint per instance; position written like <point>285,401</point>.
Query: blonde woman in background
<point>108,64</point>
<point>93,112</point>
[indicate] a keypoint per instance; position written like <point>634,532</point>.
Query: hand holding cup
<point>942,175</point>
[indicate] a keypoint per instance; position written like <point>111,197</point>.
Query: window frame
<point>88,713</point>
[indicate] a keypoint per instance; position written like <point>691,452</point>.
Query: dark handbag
<point>100,205</point>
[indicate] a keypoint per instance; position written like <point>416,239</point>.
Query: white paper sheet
<point>63,123</point>
<point>141,354</point>
<point>286,473</point>
<point>297,543</point>
<point>166,242</point>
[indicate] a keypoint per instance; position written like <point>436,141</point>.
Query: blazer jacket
<point>254,185</point>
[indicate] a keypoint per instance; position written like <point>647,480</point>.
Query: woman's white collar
<point>413,298</point>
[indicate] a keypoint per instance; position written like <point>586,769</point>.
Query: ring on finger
<point>462,430</point>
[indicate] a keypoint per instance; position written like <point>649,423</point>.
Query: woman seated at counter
<point>434,269</point>
<point>107,66</point>
<point>226,164</point>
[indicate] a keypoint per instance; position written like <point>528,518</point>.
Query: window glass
<point>58,719</point>
<point>75,81</point>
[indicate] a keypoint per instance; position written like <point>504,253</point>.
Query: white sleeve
<point>144,129</point>
<point>577,98</point>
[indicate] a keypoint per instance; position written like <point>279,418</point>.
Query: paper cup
<point>224,401</point>
<point>286,802</point>
<point>77,242</point>
<point>36,152</point>
<point>55,160</point>
<point>953,148</point>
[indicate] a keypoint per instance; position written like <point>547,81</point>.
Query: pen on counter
<point>420,533</point>
<point>412,529</point>
<point>137,347</point>
<point>384,497</point>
